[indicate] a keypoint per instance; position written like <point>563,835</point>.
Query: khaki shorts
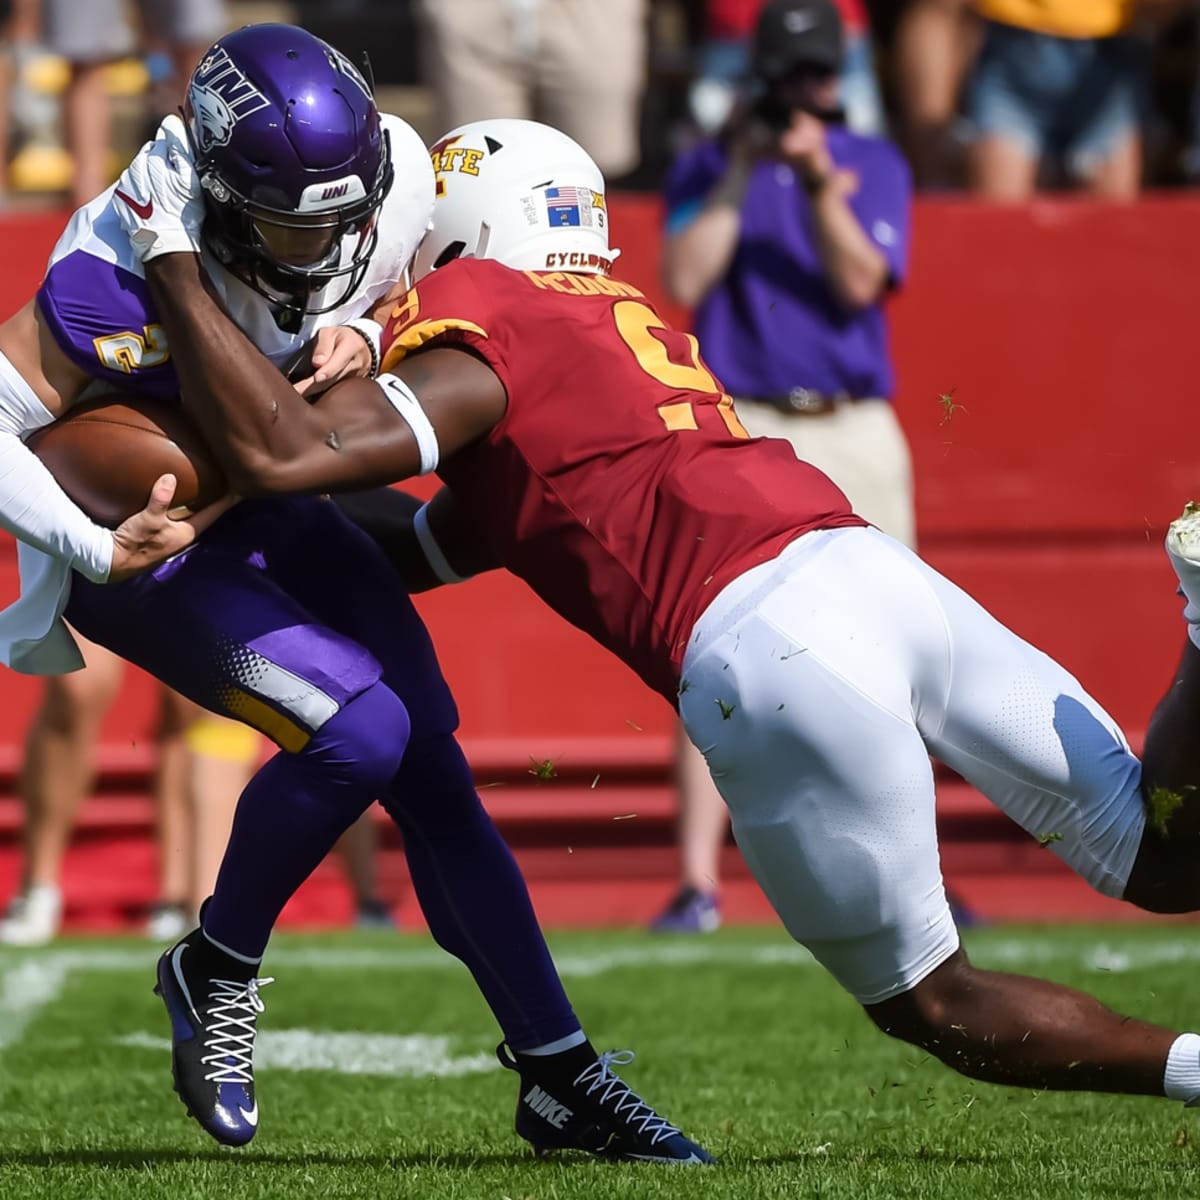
<point>860,446</point>
<point>578,65</point>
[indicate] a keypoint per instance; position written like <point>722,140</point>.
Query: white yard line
<point>430,958</point>
<point>24,973</point>
<point>407,1056</point>
<point>24,991</point>
<point>31,981</point>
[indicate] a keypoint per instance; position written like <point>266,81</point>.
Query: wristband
<point>370,332</point>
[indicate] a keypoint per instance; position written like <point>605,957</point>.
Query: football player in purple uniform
<point>283,616</point>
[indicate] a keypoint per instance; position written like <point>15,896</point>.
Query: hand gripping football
<point>107,453</point>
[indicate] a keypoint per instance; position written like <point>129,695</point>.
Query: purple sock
<point>473,894</point>
<point>293,811</point>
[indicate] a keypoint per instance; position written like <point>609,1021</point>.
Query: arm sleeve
<point>35,510</point>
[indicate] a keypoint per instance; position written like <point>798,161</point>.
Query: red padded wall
<point>1064,332</point>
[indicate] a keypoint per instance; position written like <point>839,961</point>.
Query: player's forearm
<point>242,404</point>
<point>267,438</point>
<point>854,266</point>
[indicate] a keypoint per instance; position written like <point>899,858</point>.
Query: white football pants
<point>818,684</point>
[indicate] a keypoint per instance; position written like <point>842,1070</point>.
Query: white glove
<point>158,197</point>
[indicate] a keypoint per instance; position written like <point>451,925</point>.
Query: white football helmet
<point>520,192</point>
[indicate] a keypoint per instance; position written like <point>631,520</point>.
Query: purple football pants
<point>287,617</point>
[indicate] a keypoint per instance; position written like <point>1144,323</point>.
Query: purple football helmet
<point>294,164</point>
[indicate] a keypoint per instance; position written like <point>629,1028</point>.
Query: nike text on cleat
<point>587,1106</point>
<point>214,1020</point>
<point>145,209</point>
<point>547,1107</point>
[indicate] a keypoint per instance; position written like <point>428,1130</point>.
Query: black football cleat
<point>576,1101</point>
<point>214,1006</point>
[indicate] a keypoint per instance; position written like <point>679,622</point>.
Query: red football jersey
<point>620,484</point>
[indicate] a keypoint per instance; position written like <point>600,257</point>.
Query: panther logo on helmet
<point>220,95</point>
<point>214,120</point>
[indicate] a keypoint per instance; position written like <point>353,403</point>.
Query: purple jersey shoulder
<point>104,320</point>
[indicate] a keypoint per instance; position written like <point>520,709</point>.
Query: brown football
<point>107,453</point>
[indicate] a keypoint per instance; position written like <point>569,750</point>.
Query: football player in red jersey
<point>816,662</point>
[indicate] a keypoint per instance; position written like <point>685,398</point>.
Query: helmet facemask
<point>268,247</point>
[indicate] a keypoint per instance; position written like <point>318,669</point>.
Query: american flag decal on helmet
<point>569,206</point>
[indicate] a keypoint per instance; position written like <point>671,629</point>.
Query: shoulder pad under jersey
<point>97,305</point>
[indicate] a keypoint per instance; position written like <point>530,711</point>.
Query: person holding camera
<point>786,233</point>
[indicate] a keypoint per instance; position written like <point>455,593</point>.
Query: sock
<point>1181,1080</point>
<point>561,1068</point>
<point>294,810</point>
<point>473,895</point>
<point>557,1047</point>
<point>242,959</point>
<point>211,960</point>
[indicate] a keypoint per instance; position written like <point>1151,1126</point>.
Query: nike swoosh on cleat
<point>176,955</point>
<point>252,1116</point>
<point>145,211</point>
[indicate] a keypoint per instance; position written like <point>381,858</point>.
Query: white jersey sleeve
<point>54,536</point>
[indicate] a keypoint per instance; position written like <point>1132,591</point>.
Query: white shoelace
<point>230,1018</point>
<point>616,1094</point>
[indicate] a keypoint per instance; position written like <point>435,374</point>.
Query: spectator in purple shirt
<point>786,233</point>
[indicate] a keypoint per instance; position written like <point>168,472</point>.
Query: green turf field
<point>376,1078</point>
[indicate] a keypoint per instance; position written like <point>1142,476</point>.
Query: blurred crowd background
<point>637,80</point>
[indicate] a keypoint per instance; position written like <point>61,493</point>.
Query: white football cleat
<point>1183,535</point>
<point>1183,549</point>
<point>33,917</point>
